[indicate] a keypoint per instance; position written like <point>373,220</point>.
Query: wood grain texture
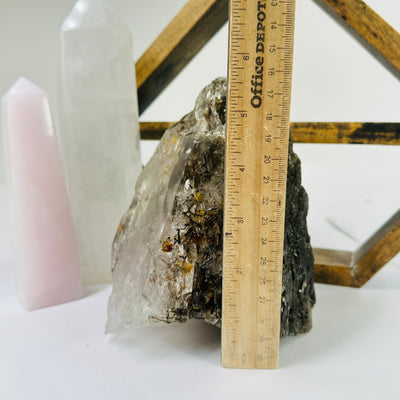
<point>369,28</point>
<point>314,132</point>
<point>180,41</point>
<point>251,315</point>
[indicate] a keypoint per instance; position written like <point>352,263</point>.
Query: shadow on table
<point>340,316</point>
<point>194,337</point>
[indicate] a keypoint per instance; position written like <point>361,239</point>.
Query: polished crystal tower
<point>99,128</point>
<point>46,252</point>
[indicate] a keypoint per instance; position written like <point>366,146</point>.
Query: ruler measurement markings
<point>248,350</point>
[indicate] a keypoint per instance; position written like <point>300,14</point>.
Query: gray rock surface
<point>167,253</point>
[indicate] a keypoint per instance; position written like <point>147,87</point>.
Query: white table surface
<point>353,349</point>
<point>60,352</point>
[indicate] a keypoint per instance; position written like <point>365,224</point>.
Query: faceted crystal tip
<point>85,14</point>
<point>23,86</point>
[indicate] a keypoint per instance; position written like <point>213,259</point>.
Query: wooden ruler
<point>259,87</point>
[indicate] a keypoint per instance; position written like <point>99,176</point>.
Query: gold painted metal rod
<point>355,269</point>
<point>314,132</point>
<point>377,251</point>
<point>177,44</point>
<point>369,28</point>
<point>333,267</point>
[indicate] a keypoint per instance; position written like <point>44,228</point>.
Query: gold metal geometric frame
<point>190,30</point>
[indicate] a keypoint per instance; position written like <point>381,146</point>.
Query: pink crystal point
<point>46,253</point>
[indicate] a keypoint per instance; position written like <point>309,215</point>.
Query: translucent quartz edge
<point>23,87</point>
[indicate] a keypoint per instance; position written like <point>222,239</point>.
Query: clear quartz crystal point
<point>100,129</point>
<point>46,252</point>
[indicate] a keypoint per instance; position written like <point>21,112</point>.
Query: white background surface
<point>353,349</point>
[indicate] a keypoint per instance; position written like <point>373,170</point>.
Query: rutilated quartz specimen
<point>100,128</point>
<point>167,253</point>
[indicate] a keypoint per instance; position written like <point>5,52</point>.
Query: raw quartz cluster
<point>167,252</point>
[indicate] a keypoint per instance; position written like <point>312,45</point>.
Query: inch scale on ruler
<point>259,88</point>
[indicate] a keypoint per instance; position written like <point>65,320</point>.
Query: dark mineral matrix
<point>167,252</point>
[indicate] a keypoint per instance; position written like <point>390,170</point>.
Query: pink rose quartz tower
<point>46,253</point>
